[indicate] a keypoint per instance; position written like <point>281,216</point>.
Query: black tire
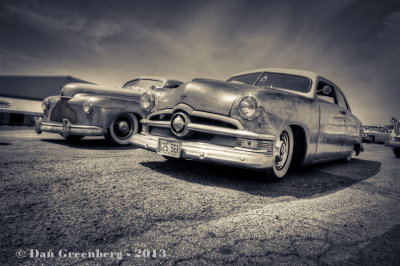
<point>281,167</point>
<point>396,152</point>
<point>122,129</point>
<point>372,139</point>
<point>73,138</point>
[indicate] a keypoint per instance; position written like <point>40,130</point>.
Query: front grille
<point>62,110</point>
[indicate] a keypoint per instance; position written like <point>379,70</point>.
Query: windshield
<point>284,81</point>
<point>249,79</point>
<point>274,80</point>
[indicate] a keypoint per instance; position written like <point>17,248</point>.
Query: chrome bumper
<point>392,144</point>
<point>66,128</point>
<point>211,153</point>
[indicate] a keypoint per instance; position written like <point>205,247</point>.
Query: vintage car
<point>394,141</point>
<point>260,119</point>
<point>90,110</point>
<point>375,134</point>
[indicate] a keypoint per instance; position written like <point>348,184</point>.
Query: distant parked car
<point>90,110</point>
<point>265,119</point>
<point>394,142</point>
<point>375,134</point>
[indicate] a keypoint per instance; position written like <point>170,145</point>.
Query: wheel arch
<point>300,144</point>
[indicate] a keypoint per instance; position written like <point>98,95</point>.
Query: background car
<point>394,141</point>
<point>90,110</point>
<point>260,119</point>
<point>375,134</point>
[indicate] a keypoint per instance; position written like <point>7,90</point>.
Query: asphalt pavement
<point>90,203</point>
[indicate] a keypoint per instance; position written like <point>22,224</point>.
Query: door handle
<point>343,112</point>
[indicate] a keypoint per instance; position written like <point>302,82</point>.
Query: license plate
<point>169,148</point>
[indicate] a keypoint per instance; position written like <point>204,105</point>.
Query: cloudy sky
<point>355,43</point>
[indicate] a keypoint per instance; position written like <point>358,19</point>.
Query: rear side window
<point>249,79</point>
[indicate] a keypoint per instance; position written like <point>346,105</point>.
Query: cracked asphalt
<point>88,196</point>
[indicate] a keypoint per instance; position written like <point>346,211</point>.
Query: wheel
<point>73,138</point>
<point>397,152</point>
<point>122,129</point>
<point>283,156</point>
<point>372,139</point>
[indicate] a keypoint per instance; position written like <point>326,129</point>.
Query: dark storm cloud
<point>354,43</point>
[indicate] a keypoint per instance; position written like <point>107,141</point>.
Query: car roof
<point>280,70</point>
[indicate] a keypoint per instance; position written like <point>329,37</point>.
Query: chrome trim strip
<point>211,153</point>
<point>152,123</point>
<point>220,118</point>
<point>229,132</point>
<point>201,114</point>
<point>82,130</point>
<point>213,130</point>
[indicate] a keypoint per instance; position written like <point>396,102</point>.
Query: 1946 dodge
<point>90,110</point>
<point>265,119</point>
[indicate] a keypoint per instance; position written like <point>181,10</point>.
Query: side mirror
<point>326,90</point>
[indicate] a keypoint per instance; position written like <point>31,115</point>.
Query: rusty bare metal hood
<point>206,95</point>
<point>71,89</point>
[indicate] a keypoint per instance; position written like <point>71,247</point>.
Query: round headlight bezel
<point>252,103</point>
<point>87,106</point>
<point>45,104</point>
<point>147,101</point>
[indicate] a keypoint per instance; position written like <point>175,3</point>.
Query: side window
<point>383,130</point>
<point>325,92</point>
<point>341,100</point>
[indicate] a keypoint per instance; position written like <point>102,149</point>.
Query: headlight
<point>88,106</point>
<point>45,104</point>
<point>249,107</point>
<point>147,101</point>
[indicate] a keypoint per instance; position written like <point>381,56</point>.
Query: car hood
<point>71,89</point>
<point>206,95</point>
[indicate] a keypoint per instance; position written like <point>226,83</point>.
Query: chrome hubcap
<point>123,127</point>
<point>283,151</point>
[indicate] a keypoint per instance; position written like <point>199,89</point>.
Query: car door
<point>352,132</point>
<point>332,123</point>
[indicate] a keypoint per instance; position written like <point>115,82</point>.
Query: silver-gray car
<point>90,110</point>
<point>260,119</point>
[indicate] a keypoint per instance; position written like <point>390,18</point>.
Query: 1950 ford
<point>90,110</point>
<point>260,119</point>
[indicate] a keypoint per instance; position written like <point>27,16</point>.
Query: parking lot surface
<point>59,197</point>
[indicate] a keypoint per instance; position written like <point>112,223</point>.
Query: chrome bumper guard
<point>392,144</point>
<point>66,128</point>
<point>191,150</point>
